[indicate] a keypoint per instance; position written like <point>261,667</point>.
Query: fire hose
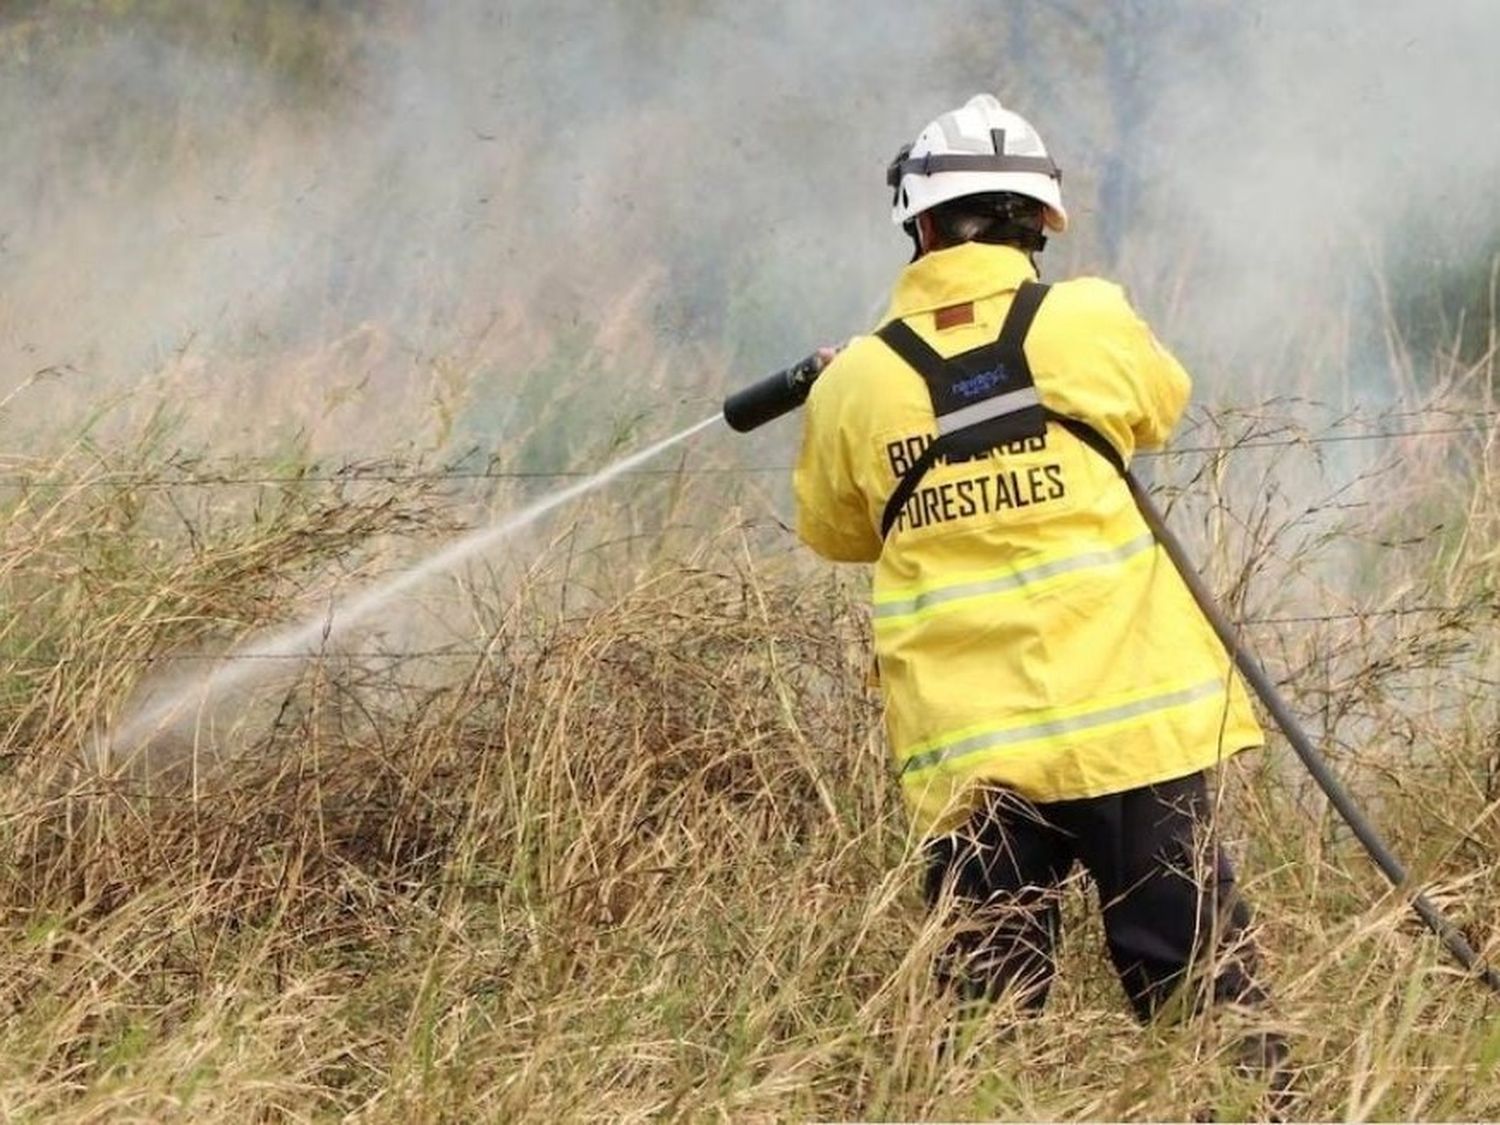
<point>786,390</point>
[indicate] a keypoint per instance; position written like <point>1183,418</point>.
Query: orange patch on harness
<point>954,315</point>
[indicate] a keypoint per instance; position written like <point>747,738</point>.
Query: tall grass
<point>624,842</point>
<point>605,827</point>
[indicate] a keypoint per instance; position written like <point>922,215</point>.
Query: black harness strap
<point>908,484</point>
<point>918,354</point>
<point>1091,438</point>
<point>1023,310</point>
<point>981,399</point>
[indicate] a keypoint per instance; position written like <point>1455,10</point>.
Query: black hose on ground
<point>1335,791</point>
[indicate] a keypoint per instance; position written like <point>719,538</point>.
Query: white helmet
<point>977,148</point>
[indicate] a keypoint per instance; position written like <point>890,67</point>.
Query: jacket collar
<point>965,272</point>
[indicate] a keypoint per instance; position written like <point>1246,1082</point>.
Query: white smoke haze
<point>557,231</point>
<point>470,191</point>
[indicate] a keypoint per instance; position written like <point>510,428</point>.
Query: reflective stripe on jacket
<point>1029,631</point>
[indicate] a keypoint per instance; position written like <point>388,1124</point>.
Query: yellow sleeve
<point>1099,361</point>
<point>1162,386</point>
<point>833,516</point>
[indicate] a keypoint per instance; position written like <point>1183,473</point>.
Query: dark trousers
<point>1166,890</point>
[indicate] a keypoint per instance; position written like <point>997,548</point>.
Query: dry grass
<point>624,843</point>
<point>630,847</point>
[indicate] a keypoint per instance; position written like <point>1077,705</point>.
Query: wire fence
<point>1478,422</point>
<point>384,471</point>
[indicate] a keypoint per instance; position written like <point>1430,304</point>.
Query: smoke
<point>477,205</point>
<point>1336,168</point>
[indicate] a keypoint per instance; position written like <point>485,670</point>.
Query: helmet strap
<point>910,227</point>
<point>1023,238</point>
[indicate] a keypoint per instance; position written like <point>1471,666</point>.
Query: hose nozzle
<point>773,396</point>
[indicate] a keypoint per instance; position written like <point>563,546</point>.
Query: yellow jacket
<point>1030,633</point>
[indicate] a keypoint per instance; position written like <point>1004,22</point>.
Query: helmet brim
<point>920,193</point>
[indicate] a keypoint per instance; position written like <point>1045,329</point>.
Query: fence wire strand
<point>369,472</point>
<point>353,473</point>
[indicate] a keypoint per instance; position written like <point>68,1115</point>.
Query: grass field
<point>603,826</point>
<point>623,842</point>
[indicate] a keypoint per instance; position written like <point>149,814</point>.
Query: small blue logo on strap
<point>980,383</point>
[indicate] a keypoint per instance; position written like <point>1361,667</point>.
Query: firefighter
<point>1053,696</point>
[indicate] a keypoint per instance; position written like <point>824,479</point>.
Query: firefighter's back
<point>1029,631</point>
